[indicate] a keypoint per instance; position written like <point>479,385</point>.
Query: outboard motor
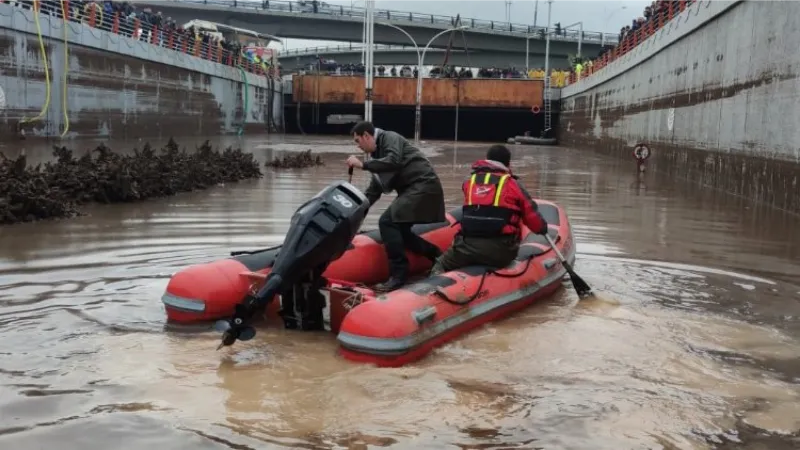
<point>320,232</point>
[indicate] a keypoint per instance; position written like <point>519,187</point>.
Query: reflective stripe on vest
<point>486,181</point>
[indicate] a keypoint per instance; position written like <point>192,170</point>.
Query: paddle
<point>581,287</point>
<point>350,173</point>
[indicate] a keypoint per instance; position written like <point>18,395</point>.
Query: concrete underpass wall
<point>714,94</point>
<point>118,87</point>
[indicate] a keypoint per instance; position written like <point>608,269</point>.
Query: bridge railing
<point>356,12</point>
<point>93,16</point>
<point>633,39</point>
<point>308,51</point>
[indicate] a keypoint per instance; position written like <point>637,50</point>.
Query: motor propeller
<point>234,329</point>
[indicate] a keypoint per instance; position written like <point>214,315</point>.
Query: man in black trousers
<point>397,165</point>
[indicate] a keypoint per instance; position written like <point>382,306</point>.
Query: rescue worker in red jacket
<point>495,207</point>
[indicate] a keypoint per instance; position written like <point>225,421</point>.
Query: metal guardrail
<point>94,17</point>
<point>306,51</point>
<point>356,12</point>
<point>634,38</point>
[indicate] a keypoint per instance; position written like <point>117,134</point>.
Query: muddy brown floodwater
<point>701,350</point>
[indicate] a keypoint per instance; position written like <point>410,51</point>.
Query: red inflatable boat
<point>404,325</point>
<point>211,291</point>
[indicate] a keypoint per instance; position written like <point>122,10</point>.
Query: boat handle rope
<point>251,252</point>
<point>446,298</point>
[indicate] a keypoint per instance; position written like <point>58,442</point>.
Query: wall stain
<point>116,95</point>
<point>745,146</point>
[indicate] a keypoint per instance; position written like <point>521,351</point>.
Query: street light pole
<point>527,52</point>
<point>370,28</point>
<point>363,32</point>
<point>547,47</point>
<point>364,40</point>
<point>580,35</point>
<point>418,112</point>
<point>528,36</point>
<point>547,123</point>
<point>419,71</point>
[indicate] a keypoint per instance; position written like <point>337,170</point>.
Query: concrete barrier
<point>118,87</point>
<point>713,94</point>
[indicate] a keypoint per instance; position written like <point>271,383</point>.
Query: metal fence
<point>399,17</point>
<point>308,51</point>
<point>633,39</point>
<point>93,15</point>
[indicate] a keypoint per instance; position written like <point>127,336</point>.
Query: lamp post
<point>580,35</point>
<point>547,124</point>
<point>547,47</point>
<point>418,112</point>
<point>363,30</point>
<point>369,30</point>
<point>419,69</point>
<point>527,52</point>
<point>528,37</point>
<point>608,17</point>
<point>407,35</point>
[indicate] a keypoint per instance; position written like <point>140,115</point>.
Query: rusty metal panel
<point>116,86</point>
<point>498,93</point>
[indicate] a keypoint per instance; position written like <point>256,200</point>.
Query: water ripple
<point>700,344</point>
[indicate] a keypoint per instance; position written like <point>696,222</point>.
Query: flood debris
<point>296,161</point>
<point>56,188</point>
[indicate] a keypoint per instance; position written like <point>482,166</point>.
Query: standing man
<point>397,165</point>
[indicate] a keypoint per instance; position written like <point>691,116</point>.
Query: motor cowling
<point>320,231</point>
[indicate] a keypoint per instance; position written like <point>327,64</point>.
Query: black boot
<point>433,254</point>
<point>391,284</point>
<point>420,246</point>
<point>392,235</point>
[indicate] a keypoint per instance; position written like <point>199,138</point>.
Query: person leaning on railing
<point>655,16</point>
<point>123,18</point>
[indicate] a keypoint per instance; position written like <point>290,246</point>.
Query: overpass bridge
<point>343,23</point>
<point>388,55</point>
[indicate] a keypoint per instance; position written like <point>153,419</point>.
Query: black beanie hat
<point>500,154</point>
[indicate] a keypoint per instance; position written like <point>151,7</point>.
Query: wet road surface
<point>701,350</point>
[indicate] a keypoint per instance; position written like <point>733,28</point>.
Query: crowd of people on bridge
<point>124,18</point>
<point>330,67</point>
<point>653,18</point>
<point>325,66</point>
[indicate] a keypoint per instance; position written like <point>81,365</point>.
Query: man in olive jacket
<point>397,165</point>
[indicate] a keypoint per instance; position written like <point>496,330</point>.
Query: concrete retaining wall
<point>714,94</point>
<point>118,87</point>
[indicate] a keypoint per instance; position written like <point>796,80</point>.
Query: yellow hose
<point>46,68</point>
<point>66,70</point>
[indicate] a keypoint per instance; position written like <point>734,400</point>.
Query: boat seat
<point>525,252</point>
<point>528,251</point>
<point>418,229</point>
<point>429,285</point>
